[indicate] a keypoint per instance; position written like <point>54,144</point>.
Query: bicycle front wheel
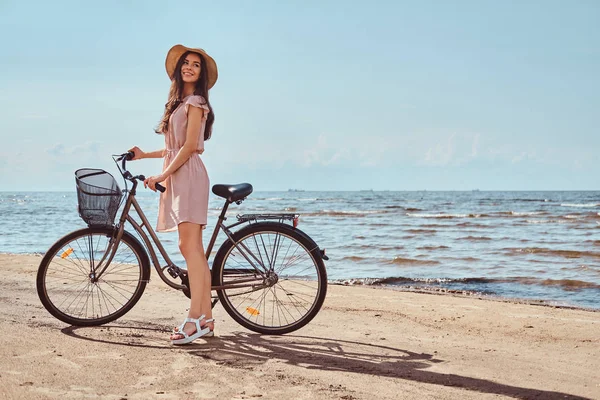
<point>276,277</point>
<point>68,285</point>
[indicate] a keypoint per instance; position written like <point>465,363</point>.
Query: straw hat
<point>177,51</point>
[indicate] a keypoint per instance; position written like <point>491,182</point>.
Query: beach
<point>365,343</point>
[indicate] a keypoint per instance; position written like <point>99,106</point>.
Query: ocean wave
<point>565,284</point>
<point>470,225</point>
<point>374,247</point>
<point>570,284</point>
<point>520,200</point>
<point>522,213</point>
<point>427,231</point>
<point>581,205</point>
<point>531,200</point>
<point>441,247</point>
<point>551,252</point>
<point>460,259</point>
<point>344,213</point>
<point>412,261</point>
<point>355,258</point>
<point>580,217</point>
<point>474,238</point>
<point>388,248</point>
<point>443,216</point>
<point>267,198</point>
<point>20,201</point>
<point>399,280</point>
<point>385,281</point>
<point>544,221</point>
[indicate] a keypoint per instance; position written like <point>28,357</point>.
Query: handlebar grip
<point>158,186</point>
<point>129,155</point>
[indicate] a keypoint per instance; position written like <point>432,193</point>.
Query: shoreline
<point>424,289</point>
<point>406,344</point>
<point>441,291</point>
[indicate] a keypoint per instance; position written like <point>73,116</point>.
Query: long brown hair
<point>175,96</point>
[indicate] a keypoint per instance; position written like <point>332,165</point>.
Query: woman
<point>187,123</point>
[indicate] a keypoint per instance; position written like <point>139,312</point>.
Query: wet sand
<point>365,343</point>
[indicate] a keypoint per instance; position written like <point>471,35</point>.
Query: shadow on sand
<point>247,350</point>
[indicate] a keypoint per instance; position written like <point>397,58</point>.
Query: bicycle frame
<point>256,282</point>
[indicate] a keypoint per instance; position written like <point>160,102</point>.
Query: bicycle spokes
<point>289,284</point>
<point>73,286</point>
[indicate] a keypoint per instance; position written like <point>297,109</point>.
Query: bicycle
<point>269,275</point>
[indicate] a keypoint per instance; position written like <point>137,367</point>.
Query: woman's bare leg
<point>192,249</point>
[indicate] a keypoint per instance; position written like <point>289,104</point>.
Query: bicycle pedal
<point>174,271</point>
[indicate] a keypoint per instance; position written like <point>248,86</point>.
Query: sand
<point>366,343</point>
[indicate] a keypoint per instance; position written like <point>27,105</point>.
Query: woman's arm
<point>155,154</point>
<point>191,141</point>
<point>190,147</point>
<point>139,153</point>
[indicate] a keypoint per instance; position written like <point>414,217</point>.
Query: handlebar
<point>127,175</point>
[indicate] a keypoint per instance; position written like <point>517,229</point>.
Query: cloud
<point>324,150</point>
<point>61,149</point>
<point>455,149</point>
<point>442,153</point>
<point>398,150</point>
<point>524,156</point>
<point>324,154</point>
<point>51,167</point>
<point>58,148</point>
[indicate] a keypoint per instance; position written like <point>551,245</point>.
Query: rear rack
<point>255,217</point>
<point>261,217</point>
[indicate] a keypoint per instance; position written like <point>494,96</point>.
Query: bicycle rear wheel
<point>285,273</point>
<point>66,284</point>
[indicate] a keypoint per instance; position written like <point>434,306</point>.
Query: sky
<point>313,95</point>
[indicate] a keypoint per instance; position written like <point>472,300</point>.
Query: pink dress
<point>186,197</point>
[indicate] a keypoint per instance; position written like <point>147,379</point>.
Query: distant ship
<point>295,190</point>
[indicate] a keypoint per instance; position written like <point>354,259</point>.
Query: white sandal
<point>199,331</point>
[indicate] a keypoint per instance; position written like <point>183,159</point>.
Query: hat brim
<point>178,50</point>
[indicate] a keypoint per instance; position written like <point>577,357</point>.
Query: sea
<point>542,246</point>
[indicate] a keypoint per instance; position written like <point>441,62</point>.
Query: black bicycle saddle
<point>232,192</point>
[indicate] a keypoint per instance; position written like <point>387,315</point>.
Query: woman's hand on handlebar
<point>137,153</point>
<point>151,181</point>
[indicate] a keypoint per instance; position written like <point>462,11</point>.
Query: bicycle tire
<point>67,256</point>
<point>248,315</point>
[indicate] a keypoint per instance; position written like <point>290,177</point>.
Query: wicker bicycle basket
<point>98,196</point>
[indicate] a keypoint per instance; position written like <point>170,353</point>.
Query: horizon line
<point>349,190</point>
